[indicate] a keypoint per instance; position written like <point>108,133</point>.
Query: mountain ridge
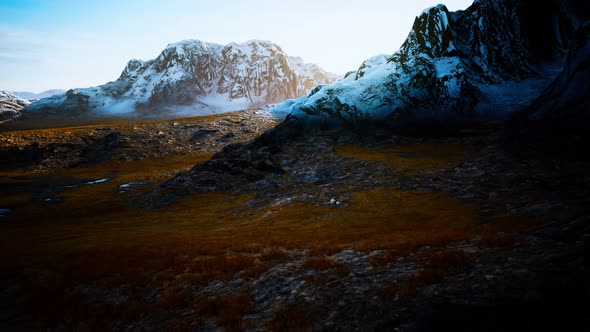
<point>11,106</point>
<point>452,67</point>
<point>193,76</point>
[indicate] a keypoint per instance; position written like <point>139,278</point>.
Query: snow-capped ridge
<point>196,77</point>
<point>12,98</point>
<point>428,10</point>
<point>448,63</point>
<point>431,34</point>
<point>11,105</point>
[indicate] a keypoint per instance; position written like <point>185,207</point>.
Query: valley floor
<point>329,231</point>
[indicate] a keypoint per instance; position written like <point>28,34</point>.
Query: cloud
<point>20,45</point>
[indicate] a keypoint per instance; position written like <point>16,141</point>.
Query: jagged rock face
<point>11,106</point>
<point>445,66</point>
<point>257,71</point>
<point>567,98</point>
<point>211,76</point>
<point>182,73</point>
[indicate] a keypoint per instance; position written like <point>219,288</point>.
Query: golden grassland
<point>94,237</point>
<point>409,158</point>
<point>61,125</point>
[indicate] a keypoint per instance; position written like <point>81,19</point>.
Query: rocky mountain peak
<point>132,67</point>
<point>431,34</point>
<point>196,77</point>
<point>482,61</point>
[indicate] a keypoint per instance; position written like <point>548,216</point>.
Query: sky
<point>63,44</point>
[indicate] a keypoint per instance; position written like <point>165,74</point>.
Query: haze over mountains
<point>194,77</point>
<point>35,96</point>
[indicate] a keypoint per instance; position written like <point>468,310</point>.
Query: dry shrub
<point>189,241</point>
<point>255,272</point>
<point>385,259</point>
<point>321,264</point>
<point>500,240</point>
<point>409,158</point>
<point>132,310</point>
<point>424,277</point>
<point>274,254</point>
<point>175,298</point>
<point>502,231</point>
<point>222,267</point>
<point>510,223</point>
<point>52,300</point>
<point>292,317</point>
<point>448,259</point>
<point>97,239</point>
<point>387,292</point>
<point>327,248</point>
<point>437,266</point>
<point>178,325</point>
<point>229,310</point>
<point>317,279</point>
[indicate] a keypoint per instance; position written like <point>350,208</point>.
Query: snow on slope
<point>451,66</point>
<point>195,77</point>
<point>11,105</point>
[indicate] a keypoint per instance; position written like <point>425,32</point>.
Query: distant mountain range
<point>193,77</point>
<point>488,61</point>
<point>35,96</point>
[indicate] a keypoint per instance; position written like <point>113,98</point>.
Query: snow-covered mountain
<point>11,105</point>
<point>196,77</point>
<point>36,96</point>
<point>486,61</point>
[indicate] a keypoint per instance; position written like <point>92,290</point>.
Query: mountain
<point>11,106</point>
<point>36,96</point>
<point>486,61</point>
<point>196,77</point>
<point>566,99</point>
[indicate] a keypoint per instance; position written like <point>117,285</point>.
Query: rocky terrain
<point>329,230</point>
<point>49,150</point>
<point>487,61</point>
<point>11,106</point>
<point>193,77</point>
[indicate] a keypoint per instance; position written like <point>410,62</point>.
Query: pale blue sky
<point>71,43</point>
